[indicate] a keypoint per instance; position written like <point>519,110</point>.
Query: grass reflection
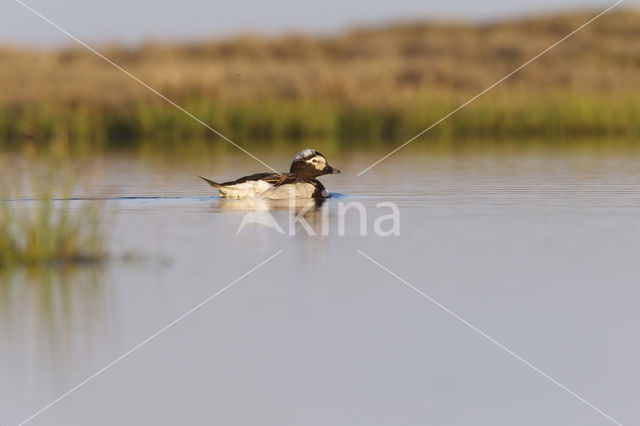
<point>44,314</point>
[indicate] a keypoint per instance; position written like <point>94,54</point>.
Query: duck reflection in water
<point>280,215</point>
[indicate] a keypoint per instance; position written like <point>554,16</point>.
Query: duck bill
<point>330,171</point>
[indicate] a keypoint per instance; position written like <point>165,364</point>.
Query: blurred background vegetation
<point>374,84</point>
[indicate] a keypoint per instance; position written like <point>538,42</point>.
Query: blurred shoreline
<point>381,84</point>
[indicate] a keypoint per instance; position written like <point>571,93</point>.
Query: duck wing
<point>253,177</point>
<point>301,185</point>
<point>267,177</point>
<point>277,179</point>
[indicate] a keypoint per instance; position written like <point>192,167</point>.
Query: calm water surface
<point>538,249</point>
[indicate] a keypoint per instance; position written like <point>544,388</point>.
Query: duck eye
<point>314,161</point>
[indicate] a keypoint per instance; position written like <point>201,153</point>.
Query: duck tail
<point>210,182</point>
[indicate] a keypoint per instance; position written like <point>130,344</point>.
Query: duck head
<point>310,163</point>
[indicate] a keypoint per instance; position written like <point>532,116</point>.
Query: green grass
<point>48,231</point>
<point>565,116</point>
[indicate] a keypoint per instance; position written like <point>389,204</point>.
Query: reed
<point>46,229</point>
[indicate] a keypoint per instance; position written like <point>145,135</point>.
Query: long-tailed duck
<point>300,182</point>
